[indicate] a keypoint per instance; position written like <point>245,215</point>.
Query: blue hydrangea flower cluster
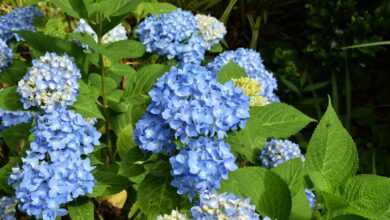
<point>252,63</point>
<point>174,35</point>
<point>51,81</point>
<point>153,134</point>
<point>118,33</point>
<point>223,206</point>
<point>194,104</point>
<point>201,166</point>
<point>53,171</point>
<point>5,55</point>
<point>276,152</point>
<point>11,118</point>
<point>181,35</point>
<point>310,197</point>
<point>20,19</point>
<point>7,208</point>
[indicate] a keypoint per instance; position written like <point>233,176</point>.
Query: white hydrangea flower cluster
<point>51,81</point>
<point>211,29</point>
<point>116,34</point>
<point>175,215</point>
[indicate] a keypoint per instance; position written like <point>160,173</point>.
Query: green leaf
<point>145,79</point>
<point>274,120</point>
<point>230,71</point>
<point>86,102</point>
<point>14,73</point>
<point>109,176</point>
<point>266,190</point>
<point>147,8</point>
<point>129,165</point>
<point>67,7</point>
<point>95,80</point>
<point>16,137</point>
<point>9,99</point>
<point>277,120</point>
<point>292,173</point>
<point>368,196</point>
<point>125,141</point>
<point>44,43</point>
<point>156,196</point>
<point>81,210</point>
<point>331,156</point>
<point>5,171</point>
<point>246,143</point>
<point>216,48</point>
<point>300,209</point>
<point>125,49</point>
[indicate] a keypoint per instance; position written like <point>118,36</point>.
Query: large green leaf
<point>277,120</point>
<point>16,137</point>
<point>145,79</point>
<point>156,196</point>
<point>125,49</point>
<point>14,73</point>
<point>86,103</point>
<point>147,8</point>
<point>81,210</point>
<point>265,189</point>
<point>44,43</point>
<point>125,140</point>
<point>274,120</point>
<point>293,174</point>
<point>230,71</point>
<point>331,156</point>
<point>129,165</point>
<point>9,99</point>
<point>368,196</point>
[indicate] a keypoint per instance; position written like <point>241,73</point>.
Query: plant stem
<point>255,27</point>
<point>348,91</point>
<point>335,93</point>
<point>228,10</point>
<point>104,99</point>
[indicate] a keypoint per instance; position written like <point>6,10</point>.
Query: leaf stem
<point>103,93</point>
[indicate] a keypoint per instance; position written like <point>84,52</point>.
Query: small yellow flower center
<point>251,88</point>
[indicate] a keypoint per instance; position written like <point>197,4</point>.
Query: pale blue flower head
<point>214,206</point>
<point>53,172</point>
<point>174,35</point>
<point>43,187</point>
<point>252,63</point>
<point>194,104</point>
<point>201,166</point>
<point>50,82</point>
<point>11,118</point>
<point>20,19</point>
<point>7,208</point>
<point>5,55</point>
<point>310,197</point>
<point>212,30</point>
<point>62,132</point>
<point>276,152</point>
<point>153,134</point>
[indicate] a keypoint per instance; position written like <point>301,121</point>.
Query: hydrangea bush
<point>157,119</point>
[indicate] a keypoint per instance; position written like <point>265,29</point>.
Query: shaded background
<point>301,41</point>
